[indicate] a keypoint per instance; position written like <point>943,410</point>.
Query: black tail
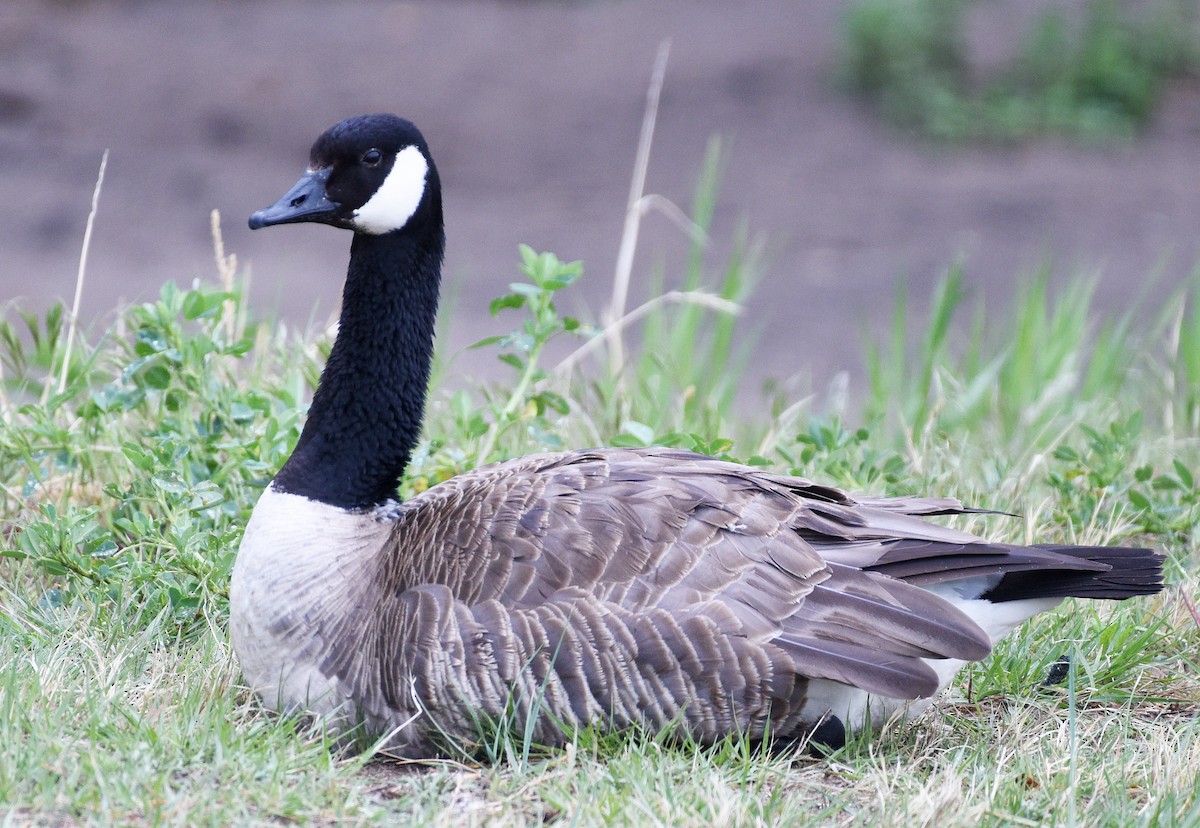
<point>1131,572</point>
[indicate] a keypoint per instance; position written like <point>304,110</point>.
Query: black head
<point>371,174</point>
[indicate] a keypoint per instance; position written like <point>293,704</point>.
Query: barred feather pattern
<point>616,587</point>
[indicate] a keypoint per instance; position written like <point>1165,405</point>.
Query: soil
<point>533,111</point>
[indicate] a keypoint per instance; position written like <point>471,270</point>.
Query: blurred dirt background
<point>533,110</point>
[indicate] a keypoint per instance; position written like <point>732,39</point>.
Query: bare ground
<point>532,110</point>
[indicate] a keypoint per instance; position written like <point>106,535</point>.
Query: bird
<point>609,588</point>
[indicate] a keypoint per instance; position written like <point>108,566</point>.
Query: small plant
<point>523,348</point>
<point>1096,78</point>
<point>132,483</point>
<point>1015,374</point>
<point>827,451</point>
<point>909,57</point>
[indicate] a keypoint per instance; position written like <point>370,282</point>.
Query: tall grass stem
<point>612,332</point>
<point>227,271</point>
<point>633,208</point>
<point>83,254</point>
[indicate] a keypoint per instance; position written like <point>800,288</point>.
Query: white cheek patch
<point>397,197</point>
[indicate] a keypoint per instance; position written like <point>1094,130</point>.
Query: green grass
<point>122,498</point>
<point>1094,74</point>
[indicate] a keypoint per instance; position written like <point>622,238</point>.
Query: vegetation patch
<point>1094,72</point>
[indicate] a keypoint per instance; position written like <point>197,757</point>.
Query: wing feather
<point>656,585</point>
<point>661,534</point>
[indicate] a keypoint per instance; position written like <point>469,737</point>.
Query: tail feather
<point>1131,571</point>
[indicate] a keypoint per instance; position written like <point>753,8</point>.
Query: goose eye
<point>372,157</point>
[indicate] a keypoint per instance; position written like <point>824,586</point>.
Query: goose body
<point>606,587</point>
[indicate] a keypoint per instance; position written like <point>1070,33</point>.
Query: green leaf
<point>641,434</point>
<point>105,549</point>
<point>553,401</point>
<point>487,340</point>
<point>239,348</point>
<point>141,459</point>
<point>1185,474</point>
<point>528,256</point>
<point>197,303</point>
<point>717,447</point>
<point>116,398</point>
<point>156,377</point>
<point>1066,453</point>
<point>1165,482</point>
<point>149,342</point>
<point>53,567</point>
<point>508,300</point>
<point>521,289</point>
<point>170,482</point>
<point>241,413</point>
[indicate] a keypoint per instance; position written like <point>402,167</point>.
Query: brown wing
<point>657,579</point>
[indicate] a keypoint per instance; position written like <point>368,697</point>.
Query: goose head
<point>371,174</point>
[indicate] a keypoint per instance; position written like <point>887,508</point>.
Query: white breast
<point>301,565</point>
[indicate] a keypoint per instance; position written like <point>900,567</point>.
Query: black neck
<point>365,417</point>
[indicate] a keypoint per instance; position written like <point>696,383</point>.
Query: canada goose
<point>612,587</point>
